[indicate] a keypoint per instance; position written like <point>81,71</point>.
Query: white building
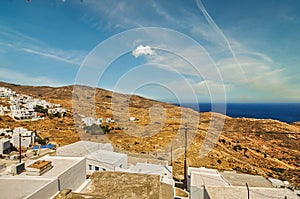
<point>27,137</point>
<point>6,131</point>
<point>6,92</point>
<point>201,177</point>
<point>56,110</point>
<point>99,156</point>
<point>108,120</point>
<point>66,173</point>
<point>25,141</point>
<point>102,160</point>
<point>132,119</point>
<point>89,121</point>
<point>21,114</point>
<point>3,110</point>
<point>210,184</point>
<point>155,169</point>
<point>238,192</point>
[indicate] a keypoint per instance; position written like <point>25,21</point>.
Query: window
<point>90,167</point>
<point>104,169</point>
<point>97,168</point>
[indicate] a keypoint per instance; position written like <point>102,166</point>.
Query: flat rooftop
<point>146,168</point>
<point>236,179</point>
<point>60,164</point>
<point>82,148</point>
<point>106,156</point>
<point>200,179</point>
<point>23,186</point>
<point>20,187</point>
<point>255,193</point>
<point>111,185</point>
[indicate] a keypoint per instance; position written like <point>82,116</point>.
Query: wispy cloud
<point>22,42</point>
<point>13,34</point>
<point>13,76</point>
<point>55,57</point>
<point>116,13</point>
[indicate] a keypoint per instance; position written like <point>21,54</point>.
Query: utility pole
<point>171,155</point>
<point>20,148</point>
<point>185,164</point>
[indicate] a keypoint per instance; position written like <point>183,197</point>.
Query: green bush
<point>40,109</point>
<point>97,130</point>
<point>278,170</point>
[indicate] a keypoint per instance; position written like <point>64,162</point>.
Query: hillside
<point>265,147</point>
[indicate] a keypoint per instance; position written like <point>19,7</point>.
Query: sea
<point>285,112</point>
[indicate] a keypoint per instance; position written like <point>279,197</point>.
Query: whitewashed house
<point>107,120</point>
<point>21,114</point>
<point>99,156</point>
<point>2,110</point>
<point>132,119</point>
<point>89,121</point>
<point>7,131</point>
<point>102,160</point>
<point>6,92</point>
<point>27,137</point>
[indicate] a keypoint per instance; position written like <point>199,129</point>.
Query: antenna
<point>248,190</point>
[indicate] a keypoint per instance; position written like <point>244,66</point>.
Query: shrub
<point>40,109</point>
<point>277,169</point>
<point>237,147</point>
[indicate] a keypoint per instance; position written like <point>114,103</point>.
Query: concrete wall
<point>47,191</point>
<point>101,165</point>
<point>25,141</point>
<point>166,191</point>
<point>196,192</point>
<point>74,177</point>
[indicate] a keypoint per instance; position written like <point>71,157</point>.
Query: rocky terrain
<point>255,146</point>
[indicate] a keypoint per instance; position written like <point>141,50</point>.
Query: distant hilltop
<point>256,146</point>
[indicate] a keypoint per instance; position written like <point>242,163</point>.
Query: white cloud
<point>143,50</point>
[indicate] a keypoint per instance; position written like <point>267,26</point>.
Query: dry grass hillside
<point>265,147</point>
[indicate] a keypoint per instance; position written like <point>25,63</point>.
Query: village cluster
<point>24,107</point>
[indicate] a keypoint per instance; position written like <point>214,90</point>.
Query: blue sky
<point>240,51</point>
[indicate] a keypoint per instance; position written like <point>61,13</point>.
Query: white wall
<point>25,141</point>
<point>196,192</point>
<point>47,191</point>
<point>74,177</point>
<point>101,165</point>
